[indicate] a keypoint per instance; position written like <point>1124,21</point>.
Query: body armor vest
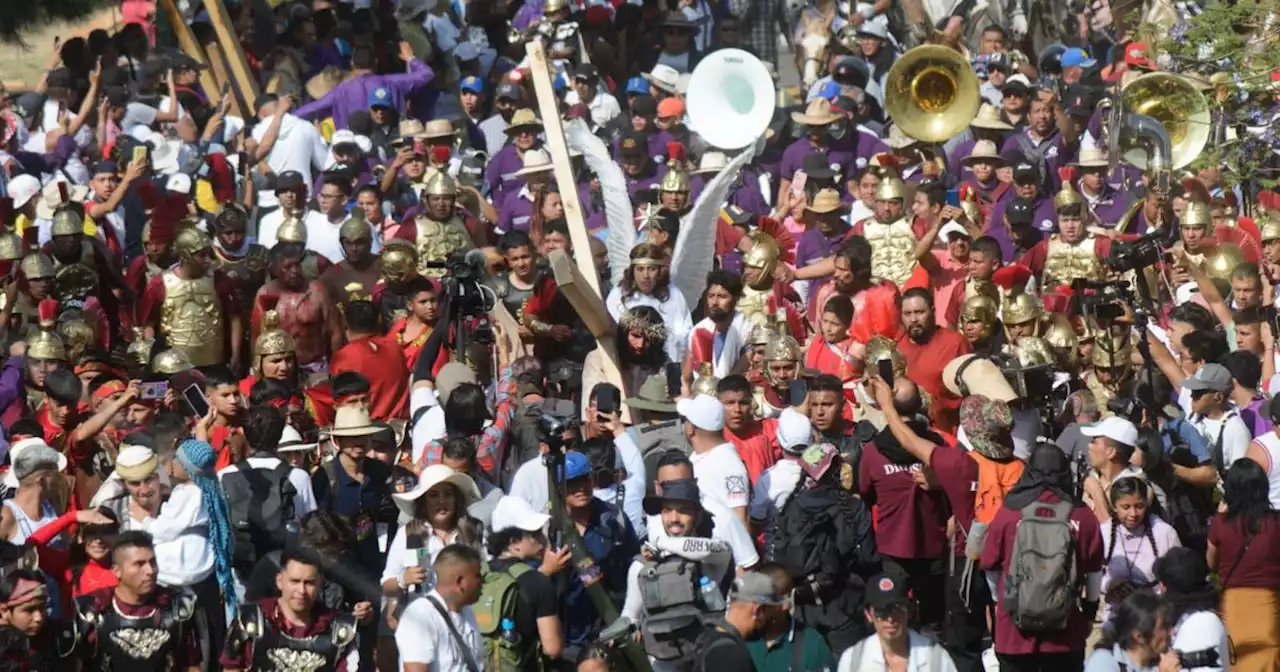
<point>275,650</point>
<point>48,651</point>
<point>1064,262</point>
<point>437,240</point>
<point>893,248</point>
<point>141,643</point>
<point>247,274</point>
<point>192,319</point>
<point>78,278</point>
<point>513,298</point>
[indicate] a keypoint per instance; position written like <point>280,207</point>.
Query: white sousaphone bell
<point>730,99</point>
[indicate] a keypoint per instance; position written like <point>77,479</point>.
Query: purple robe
<point>528,13</point>
<point>815,245</point>
<point>645,188</point>
<point>1053,157</point>
<point>501,173</point>
<point>746,194</point>
<point>1044,222</point>
<point>353,94</point>
<point>846,155</point>
<point>1110,205</point>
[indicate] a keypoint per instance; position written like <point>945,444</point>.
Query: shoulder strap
<point>287,492</point>
<point>331,471</point>
<point>467,658</point>
<point>797,648</point>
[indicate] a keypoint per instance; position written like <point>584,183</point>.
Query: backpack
<point>655,438</point>
<point>499,596</point>
<point>674,613</point>
<point>259,504</point>
<point>804,541</point>
<point>1042,579</point>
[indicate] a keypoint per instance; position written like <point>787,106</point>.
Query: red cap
<point>1135,56</point>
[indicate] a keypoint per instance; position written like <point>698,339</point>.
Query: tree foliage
<point>20,17</point>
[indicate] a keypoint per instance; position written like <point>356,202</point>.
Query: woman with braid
<point>1132,541</point>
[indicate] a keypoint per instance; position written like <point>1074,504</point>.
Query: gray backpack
<point>655,438</point>
<point>674,616</point>
<point>1042,581</point>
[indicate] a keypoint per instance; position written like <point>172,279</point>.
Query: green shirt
<point>775,656</point>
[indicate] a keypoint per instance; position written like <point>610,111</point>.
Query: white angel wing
<point>695,252</point>
<point>618,212</point>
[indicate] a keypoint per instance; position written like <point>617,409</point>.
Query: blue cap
<point>830,91</point>
<point>576,465</point>
<point>561,82</point>
<point>471,83</point>
<point>1075,57</point>
<point>638,86</point>
<point>380,97</point>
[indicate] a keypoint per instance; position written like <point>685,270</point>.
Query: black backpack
<point>805,541</point>
<point>260,504</point>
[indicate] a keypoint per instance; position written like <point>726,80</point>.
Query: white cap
<point>179,183</point>
<point>794,430</point>
<point>950,228</point>
<point>703,411</point>
<point>514,512</point>
<point>345,135</point>
<point>22,189</point>
<point>1115,428</point>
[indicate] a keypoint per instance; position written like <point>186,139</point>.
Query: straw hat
<point>664,77</point>
<point>711,162</point>
<point>353,421</point>
<point>51,197</point>
<point>1092,157</point>
<point>432,476</point>
<point>827,200</point>
<point>816,113</point>
<point>324,81</point>
<point>291,442</point>
<point>984,151</point>
<point>980,376</point>
<point>523,118</point>
<point>989,118</point>
<point>410,129</point>
<point>535,161</point>
<point>439,128</point>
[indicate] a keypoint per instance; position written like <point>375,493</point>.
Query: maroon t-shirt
<point>910,522</point>
<point>1256,568</point>
<point>186,653</point>
<point>957,474</point>
<point>997,555</point>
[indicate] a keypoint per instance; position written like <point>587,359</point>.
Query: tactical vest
<point>275,650</point>
<point>191,318</point>
<point>674,613</point>
<point>893,249</point>
<point>137,644</point>
<point>48,651</point>
<point>1064,262</point>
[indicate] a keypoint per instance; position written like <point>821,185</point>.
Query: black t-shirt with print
<point>537,600</point>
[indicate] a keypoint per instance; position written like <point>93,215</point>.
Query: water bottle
<point>711,597</point>
<point>509,634</point>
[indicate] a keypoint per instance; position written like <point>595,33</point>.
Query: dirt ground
<point>22,66</point>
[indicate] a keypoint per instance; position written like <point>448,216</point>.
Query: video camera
<point>469,301</point>
<point>1101,299</point>
<point>1141,253</point>
<point>551,429</point>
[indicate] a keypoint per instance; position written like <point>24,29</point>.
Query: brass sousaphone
<point>931,93</point>
<point>1160,125</point>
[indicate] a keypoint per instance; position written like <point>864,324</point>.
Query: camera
<point>1141,253</point>
<point>551,430</point>
<point>469,303</point>
<point>1098,298</point>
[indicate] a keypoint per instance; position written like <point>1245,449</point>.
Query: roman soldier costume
<point>11,252</point>
<point>148,640</point>
<point>981,309</point>
<point>767,399</point>
<point>515,299</point>
<point>246,268</point>
<point>270,643</point>
<point>272,341</point>
<point>1057,261</point>
<point>43,344</point>
<point>191,316</point>
<point>343,281</point>
<point>435,240</point>
<point>399,265</point>
<point>23,316</point>
<point>763,298</point>
<point>893,244</point>
<point>293,230</point>
<point>1111,355</point>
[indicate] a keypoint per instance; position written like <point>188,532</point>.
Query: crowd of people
<point>295,380</point>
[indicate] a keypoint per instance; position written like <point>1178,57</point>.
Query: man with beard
<point>874,299</point>
<point>243,262</point>
<point>137,606</point>
<point>355,276</point>
<point>646,283</point>
<point>192,304</point>
<point>892,234</point>
<point>1040,143</point>
<point>720,336</point>
<point>306,310</point>
<point>928,349</point>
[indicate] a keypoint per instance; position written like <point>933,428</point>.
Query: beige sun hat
<point>989,118</point>
<point>664,77</point>
<point>899,140</point>
<point>438,128</point>
<point>711,162</point>
<point>1092,157</point>
<point>429,478</point>
<point>353,421</point>
<point>535,161</point>
<point>816,113</point>
<point>827,200</point>
<point>983,151</point>
<point>523,118</point>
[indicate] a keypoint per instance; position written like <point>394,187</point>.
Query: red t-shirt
<point>997,555</point>
<point>759,447</point>
<point>93,577</point>
<point>380,359</point>
<point>1259,567</point>
<point>957,474</point>
<point>925,363</point>
<point>911,522</point>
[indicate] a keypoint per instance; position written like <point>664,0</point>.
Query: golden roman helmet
<point>878,348</point>
<point>292,230</point>
<point>272,340</point>
<point>170,362</point>
<point>1196,214</point>
<point>764,256</point>
<point>1021,308</point>
<point>356,227</point>
<point>782,349</point>
<point>980,308</point>
<point>554,6</point>
<point>891,187</point>
<point>1222,260</point>
<point>676,180</point>
<point>1269,226</point>
<point>67,222</point>
<point>46,344</point>
<point>399,260</point>
<point>440,184</point>
<point>190,241</point>
<point>36,266</point>
<point>705,382</point>
<point>11,247</point>
<point>1062,336</point>
<point>1066,197</point>
<point>762,334</point>
<point>1111,350</point>
<point>1032,351</point>
<point>77,335</point>
<point>139,350</point>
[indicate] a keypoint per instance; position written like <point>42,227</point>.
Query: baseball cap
<point>953,227</point>
<point>677,490</point>
<point>576,465</point>
<point>1078,101</point>
<point>851,71</point>
<point>1135,56</point>
<point>1018,84</point>
<point>998,62</point>
<point>671,107</point>
<point>289,179</point>
<point>830,91</point>
<point>509,91</point>
<point>638,86</point>
<point>986,426</point>
<point>703,411</point>
<point>179,183</point>
<point>1210,377</point>
<point>1075,57</point>
<point>105,167</point>
<point>1020,211</point>
<point>22,189</point>
<point>587,73</point>
<point>472,84</point>
<point>1115,428</point>
<point>794,431</point>
<point>1025,172</point>
<point>514,512</point>
<point>644,106</point>
<point>885,591</point>
<point>380,97</point>
<point>754,587</point>
<point>633,143</point>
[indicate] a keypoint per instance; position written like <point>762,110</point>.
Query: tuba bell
<point>730,99</point>
<point>931,93</point>
<point>1175,104</point>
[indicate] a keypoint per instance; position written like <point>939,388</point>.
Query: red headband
<point>26,591</point>
<point>109,388</point>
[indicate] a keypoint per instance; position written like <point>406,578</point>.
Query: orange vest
<point>995,479</point>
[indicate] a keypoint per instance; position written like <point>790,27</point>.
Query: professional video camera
<point>551,429</point>
<point>1141,253</point>
<point>469,301</point>
<point>1101,299</point>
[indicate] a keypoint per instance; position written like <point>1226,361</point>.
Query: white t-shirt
<point>726,526</point>
<point>722,476</point>
<point>424,637</point>
<point>400,558</point>
<point>304,500</point>
<point>772,489</point>
<point>1236,436</point>
<point>322,236</point>
<point>1201,631</point>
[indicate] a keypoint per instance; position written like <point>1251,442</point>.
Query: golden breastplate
<point>437,240</point>
<point>893,248</point>
<point>192,319</point>
<point>754,304</point>
<point>1101,393</point>
<point>1065,262</point>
